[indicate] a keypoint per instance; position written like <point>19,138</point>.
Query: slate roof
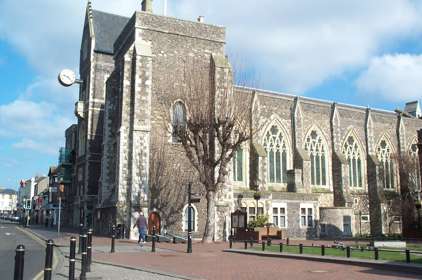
<point>7,191</point>
<point>107,28</point>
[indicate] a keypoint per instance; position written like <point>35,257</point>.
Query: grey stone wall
<point>152,55</point>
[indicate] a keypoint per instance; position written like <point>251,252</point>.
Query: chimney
<point>201,19</point>
<point>147,6</point>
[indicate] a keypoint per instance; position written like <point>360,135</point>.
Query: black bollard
<point>263,245</point>
<point>48,260</point>
<point>322,250</point>
<point>230,242</point>
<point>84,260</point>
<point>376,255</point>
<point>246,244</point>
<point>81,227</point>
<point>348,251</point>
<point>113,239</point>
<point>287,241</point>
<point>281,247</point>
<point>89,251</point>
<point>153,239</point>
<point>407,256</point>
<point>19,262</point>
<point>300,248</point>
<point>72,258</point>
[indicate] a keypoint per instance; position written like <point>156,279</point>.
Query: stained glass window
<point>178,120</point>
<point>386,164</point>
<point>353,155</point>
<point>314,145</point>
<point>276,147</point>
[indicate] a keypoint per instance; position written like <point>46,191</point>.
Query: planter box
<point>271,232</point>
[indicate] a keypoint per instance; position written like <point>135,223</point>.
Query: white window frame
<point>280,206</point>
<point>195,229</point>
<point>306,206</point>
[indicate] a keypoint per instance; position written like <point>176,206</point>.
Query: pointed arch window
<point>314,145</point>
<point>353,155</point>
<point>276,147</point>
<point>414,172</point>
<point>178,120</point>
<point>384,155</point>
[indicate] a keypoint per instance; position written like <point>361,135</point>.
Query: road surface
<point>10,238</point>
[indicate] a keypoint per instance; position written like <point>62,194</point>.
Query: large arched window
<point>353,155</point>
<point>276,148</point>
<point>315,146</point>
<point>384,155</point>
<point>178,120</point>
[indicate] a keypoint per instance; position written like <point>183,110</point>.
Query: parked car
<point>15,218</point>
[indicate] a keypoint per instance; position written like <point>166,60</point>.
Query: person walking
<point>141,223</point>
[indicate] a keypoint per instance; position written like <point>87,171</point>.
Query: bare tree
<point>165,198</point>
<point>217,123</point>
<point>409,186</point>
<point>400,203</point>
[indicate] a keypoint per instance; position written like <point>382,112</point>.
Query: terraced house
<point>322,168</point>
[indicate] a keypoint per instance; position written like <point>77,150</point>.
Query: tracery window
<point>178,120</point>
<point>384,155</point>
<point>276,148</point>
<point>314,145</point>
<point>353,155</point>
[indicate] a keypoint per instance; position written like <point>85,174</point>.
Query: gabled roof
<point>107,28</point>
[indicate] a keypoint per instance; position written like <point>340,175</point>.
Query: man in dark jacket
<point>141,223</point>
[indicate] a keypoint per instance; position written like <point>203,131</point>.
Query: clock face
<point>67,77</point>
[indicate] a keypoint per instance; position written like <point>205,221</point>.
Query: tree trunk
<point>210,223</point>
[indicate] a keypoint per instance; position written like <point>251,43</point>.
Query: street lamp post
<point>61,188</point>
<point>257,197</point>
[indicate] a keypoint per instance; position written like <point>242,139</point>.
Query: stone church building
<point>322,169</point>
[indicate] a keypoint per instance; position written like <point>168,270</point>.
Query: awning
<point>260,150</point>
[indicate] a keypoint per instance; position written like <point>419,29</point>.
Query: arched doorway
<point>154,220</point>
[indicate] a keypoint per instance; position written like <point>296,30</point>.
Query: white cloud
<point>395,77</point>
<point>295,45</point>
<point>291,45</point>
<point>30,144</point>
<point>34,125</point>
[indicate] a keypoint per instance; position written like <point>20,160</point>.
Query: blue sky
<point>367,53</point>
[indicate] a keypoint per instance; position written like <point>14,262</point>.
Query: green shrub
<point>260,221</point>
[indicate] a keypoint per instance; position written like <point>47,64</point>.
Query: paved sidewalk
<point>208,261</point>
